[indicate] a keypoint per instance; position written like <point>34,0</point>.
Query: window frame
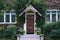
<point>10,15</point>
<point>52,14</point>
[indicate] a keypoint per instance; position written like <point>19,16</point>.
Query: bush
<point>22,32</point>
<point>55,34</point>
<point>48,27</point>
<point>8,34</point>
<point>38,32</point>
<point>10,31</point>
<point>1,32</point>
<point>52,30</point>
<point>12,28</point>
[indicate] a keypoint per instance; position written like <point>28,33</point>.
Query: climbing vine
<point>1,6</point>
<point>40,20</point>
<point>19,5</point>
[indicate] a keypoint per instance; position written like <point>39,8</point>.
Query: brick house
<point>52,15</point>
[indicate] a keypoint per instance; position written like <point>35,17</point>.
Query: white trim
<point>4,18</point>
<point>34,21</point>
<point>25,27</point>
<point>53,13</point>
<point>10,21</point>
<point>30,7</point>
<point>50,17</point>
<point>56,16</point>
<point>25,24</point>
<point>10,17</point>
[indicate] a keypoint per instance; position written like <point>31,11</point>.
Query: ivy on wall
<point>1,6</point>
<point>19,5</point>
<point>40,20</point>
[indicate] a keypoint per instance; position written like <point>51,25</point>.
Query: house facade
<point>53,11</point>
<point>52,15</point>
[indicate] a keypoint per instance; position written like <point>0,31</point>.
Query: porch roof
<point>30,7</point>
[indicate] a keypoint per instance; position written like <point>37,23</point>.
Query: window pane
<point>58,11</point>
<point>12,11</point>
<point>48,18</point>
<point>54,18</point>
<point>48,11</point>
<point>1,18</point>
<point>58,16</point>
<point>7,11</point>
<point>7,18</point>
<point>13,18</point>
<point>53,11</point>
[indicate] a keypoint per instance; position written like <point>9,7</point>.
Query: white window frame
<point>52,14</point>
<point>10,15</point>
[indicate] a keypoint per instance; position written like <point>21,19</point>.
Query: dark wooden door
<point>30,24</point>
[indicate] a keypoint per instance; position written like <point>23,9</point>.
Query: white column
<point>50,17</point>
<point>25,24</point>
<point>56,16</point>
<point>34,21</point>
<point>4,17</point>
<point>25,27</point>
<point>10,17</point>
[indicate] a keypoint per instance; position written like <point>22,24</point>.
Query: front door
<point>30,24</point>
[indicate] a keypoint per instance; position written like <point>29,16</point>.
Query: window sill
<point>9,23</point>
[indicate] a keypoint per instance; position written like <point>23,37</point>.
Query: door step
<point>29,37</point>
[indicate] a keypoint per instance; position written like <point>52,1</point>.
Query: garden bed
<point>7,39</point>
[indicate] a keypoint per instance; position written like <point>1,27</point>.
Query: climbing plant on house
<point>40,20</point>
<point>19,5</point>
<point>1,5</point>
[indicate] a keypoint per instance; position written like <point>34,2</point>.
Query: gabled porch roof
<point>32,8</point>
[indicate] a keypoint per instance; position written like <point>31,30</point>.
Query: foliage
<point>22,32</point>
<point>55,34</point>
<point>38,32</point>
<point>52,30</point>
<point>58,24</point>
<point>9,32</point>
<point>47,28</point>
<point>19,5</point>
<point>41,7</point>
<point>1,32</point>
<point>11,29</point>
<point>1,4</point>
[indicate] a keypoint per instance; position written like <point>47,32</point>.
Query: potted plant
<point>22,32</point>
<point>38,32</point>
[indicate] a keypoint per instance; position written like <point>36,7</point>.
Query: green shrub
<point>55,34</point>
<point>10,31</point>
<point>38,32</point>
<point>12,28</point>
<point>22,32</point>
<point>8,34</point>
<point>1,32</point>
<point>48,27</point>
